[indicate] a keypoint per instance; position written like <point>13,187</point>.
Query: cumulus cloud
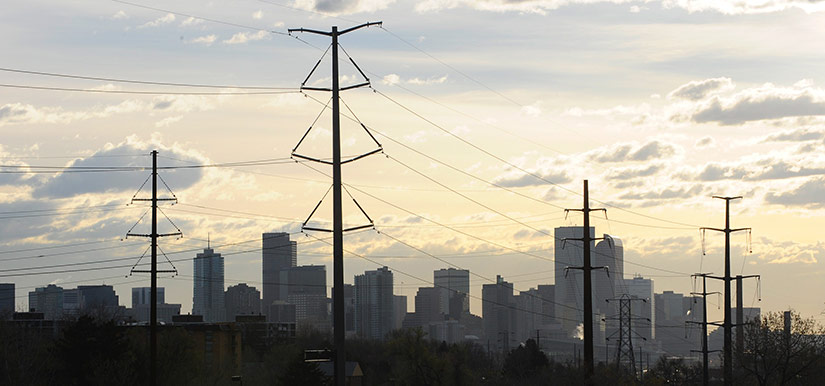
<point>245,37</point>
<point>798,135</point>
<point>519,179</point>
<point>762,103</point>
<point>737,7</point>
<point>764,169</point>
<point>258,15</point>
<point>631,152</point>
<point>811,194</point>
<point>205,40</point>
<point>704,142</point>
<point>130,153</point>
<point>630,173</point>
<point>699,89</point>
<point>166,19</point>
<point>120,15</point>
<point>190,21</point>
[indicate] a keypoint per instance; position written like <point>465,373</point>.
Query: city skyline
<point>600,92</point>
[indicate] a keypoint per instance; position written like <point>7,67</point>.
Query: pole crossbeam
<point>337,206</point>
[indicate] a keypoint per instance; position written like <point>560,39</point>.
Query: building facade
<point>208,292</point>
<point>374,312</point>
<point>241,299</point>
<point>278,252</point>
<point>454,287</point>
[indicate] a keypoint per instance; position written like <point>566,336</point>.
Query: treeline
<point>89,351</point>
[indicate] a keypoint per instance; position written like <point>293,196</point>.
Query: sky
<point>490,114</point>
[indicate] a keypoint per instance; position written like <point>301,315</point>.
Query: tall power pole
<point>586,268</point>
<point>704,323</point>
<point>727,324</point>
<point>153,271</point>
<point>337,212</point>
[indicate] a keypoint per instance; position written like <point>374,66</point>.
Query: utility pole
<point>586,268</point>
<point>728,349</point>
<point>153,271</point>
<point>704,323</point>
<point>337,211</point>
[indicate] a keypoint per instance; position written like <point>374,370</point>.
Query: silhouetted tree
<point>772,357</point>
<point>94,352</point>
<point>524,362</point>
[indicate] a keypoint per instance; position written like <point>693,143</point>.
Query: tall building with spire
<point>208,291</point>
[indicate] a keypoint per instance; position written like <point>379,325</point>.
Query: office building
<point>570,284</point>
<point>608,253</point>
<point>278,253</point>
<point>454,286</point>
<point>498,313</point>
<point>400,307</point>
<point>242,299</point>
<point>374,313</point>
<point>143,296</point>
<point>48,300</point>
<point>641,288</point>
<point>98,297</point>
<point>208,291</point>
<point>6,300</point>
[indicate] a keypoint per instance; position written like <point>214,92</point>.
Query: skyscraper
<point>569,285</point>
<point>607,283</point>
<point>143,296</point>
<point>454,287</point>
<point>374,313</point>
<point>641,288</point>
<point>498,313</point>
<point>207,295</point>
<point>278,253</point>
<point>48,300</point>
<point>242,299</point>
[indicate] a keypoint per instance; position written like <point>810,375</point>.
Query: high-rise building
<point>72,302</point>
<point>242,299</point>
<point>306,287</point>
<point>207,294</point>
<point>143,296</point>
<point>48,300</point>
<point>454,287</point>
<point>278,253</point>
<point>6,300</point>
<point>400,306</point>
<point>570,284</point>
<point>498,313</point>
<point>374,313</point>
<point>608,253</point>
<point>641,288</point>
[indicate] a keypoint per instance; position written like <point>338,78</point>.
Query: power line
<point>102,91</point>
<point>144,82</point>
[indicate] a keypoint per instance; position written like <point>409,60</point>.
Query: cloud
<point>666,194</point>
<point>166,19</point>
<point>130,153</point>
<point>120,15</point>
<point>519,179</point>
<point>205,40</point>
<point>629,152</point>
<point>764,169</point>
<point>258,15</point>
<point>798,135</point>
<point>244,37</point>
<point>191,21</point>
<point>699,89</point>
<point>704,143</point>
<point>811,194</point>
<point>168,121</point>
<point>762,103</point>
<point>738,7</point>
<point>341,7</point>
<point>393,79</point>
<point>631,173</point>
